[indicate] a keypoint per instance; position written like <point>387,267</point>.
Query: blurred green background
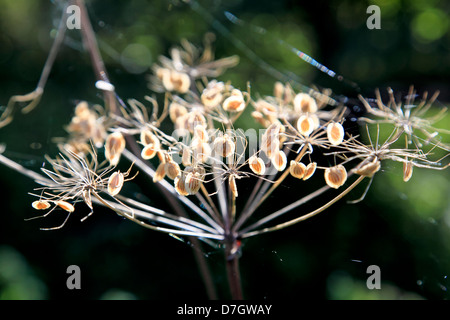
<point>404,228</point>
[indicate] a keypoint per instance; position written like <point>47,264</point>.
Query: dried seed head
<point>115,183</point>
<point>180,185</point>
<point>224,146</point>
<point>160,172</point>
<point>310,169</point>
<point>40,204</point>
<point>172,169</point>
<point>114,145</point>
<point>65,206</point>
<point>176,111</point>
<point>235,102</point>
<point>407,170</point>
<point>335,133</point>
<point>232,185</point>
<point>368,168</point>
<point>279,160</point>
<point>149,151</point>
<point>193,182</point>
<point>257,165</point>
<point>186,158</point>
<point>304,103</point>
<point>297,169</point>
<point>336,176</point>
<point>306,124</point>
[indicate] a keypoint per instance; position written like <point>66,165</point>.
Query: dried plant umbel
<point>199,168</point>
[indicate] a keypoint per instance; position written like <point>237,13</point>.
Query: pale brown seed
<point>149,152</point>
<point>335,133</point>
<point>115,183</point>
<point>297,169</point>
<point>368,169</point>
<point>200,133</point>
<point>193,182</point>
<point>147,137</point>
<point>234,103</point>
<point>114,145</point>
<point>335,176</point>
<point>40,205</point>
<point>172,169</point>
<point>175,81</point>
<point>176,111</point>
<point>304,103</point>
<point>180,185</point>
<point>407,170</point>
<point>186,157</point>
<point>65,206</point>
<point>279,160</point>
<point>257,165</point>
<point>201,151</point>
<point>310,169</point>
<point>306,124</point>
<point>160,172</point>
<point>82,110</point>
<point>224,146</point>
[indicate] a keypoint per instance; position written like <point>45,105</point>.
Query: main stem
<point>232,268</point>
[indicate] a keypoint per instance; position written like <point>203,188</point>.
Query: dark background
<point>401,227</point>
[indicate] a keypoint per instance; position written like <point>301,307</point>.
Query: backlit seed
<point>114,145</point>
<point>224,146</point>
<point>279,160</point>
<point>257,165</point>
<point>201,151</point>
<point>180,185</point>
<point>297,169</point>
<point>336,176</point>
<point>193,182</point>
<point>304,103</point>
<point>305,125</point>
<point>176,111</point>
<point>234,103</point>
<point>172,169</point>
<point>407,170</point>
<point>115,183</point>
<point>40,205</point>
<point>186,157</point>
<point>310,169</point>
<point>147,137</point>
<point>335,133</point>
<point>175,81</point>
<point>65,206</point>
<point>368,169</point>
<point>82,110</point>
<point>200,133</point>
<point>160,172</point>
<point>149,152</point>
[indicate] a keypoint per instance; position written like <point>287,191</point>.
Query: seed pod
<point>304,103</point>
<point>200,133</point>
<point>172,169</point>
<point>335,176</point>
<point>65,206</point>
<point>115,183</point>
<point>114,145</point>
<point>180,184</point>
<point>82,110</point>
<point>201,150</point>
<point>175,81</point>
<point>147,137</point>
<point>335,133</point>
<point>257,165</point>
<point>149,152</point>
<point>160,172</point>
<point>270,143</point>
<point>40,205</point>
<point>176,111</point>
<point>306,124</point>
<point>232,185</point>
<point>310,169</point>
<point>234,103</point>
<point>224,146</point>
<point>279,160</point>
<point>193,182</point>
<point>186,158</point>
<point>407,170</point>
<point>212,94</point>
<point>368,168</point>
<point>297,169</point>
